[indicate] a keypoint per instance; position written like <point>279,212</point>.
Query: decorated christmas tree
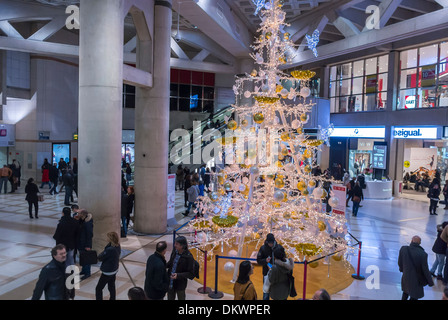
<point>268,184</point>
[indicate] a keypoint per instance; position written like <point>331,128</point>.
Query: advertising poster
<point>171,196</point>
<point>371,82</point>
<point>428,76</point>
<point>339,191</point>
<point>421,160</point>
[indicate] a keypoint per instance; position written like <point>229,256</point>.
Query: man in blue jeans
<point>5,174</point>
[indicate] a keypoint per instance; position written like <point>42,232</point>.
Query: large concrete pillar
<point>100,114</point>
<point>152,129</point>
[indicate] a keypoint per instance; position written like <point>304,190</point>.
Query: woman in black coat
<point>110,259</point>
<point>31,191</point>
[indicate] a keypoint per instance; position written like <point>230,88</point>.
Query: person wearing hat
<point>265,257</point>
<point>180,269</point>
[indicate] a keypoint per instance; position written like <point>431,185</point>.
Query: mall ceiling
<point>221,31</point>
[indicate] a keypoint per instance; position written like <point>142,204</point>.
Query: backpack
<point>195,269</point>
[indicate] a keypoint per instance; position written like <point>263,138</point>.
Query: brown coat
<point>444,235</point>
<point>244,291</point>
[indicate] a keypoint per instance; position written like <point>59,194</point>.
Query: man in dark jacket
<point>67,234</point>
<point>180,269</point>
<point>68,183</point>
<point>85,239</point>
<point>54,177</point>
<point>52,277</point>
<point>265,256</point>
<point>124,213</point>
<point>413,263</point>
<point>433,195</point>
<point>157,280</point>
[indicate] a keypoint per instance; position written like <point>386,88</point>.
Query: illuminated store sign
<point>415,132</point>
<point>357,132</point>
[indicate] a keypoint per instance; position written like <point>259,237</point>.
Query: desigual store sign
<point>415,132</point>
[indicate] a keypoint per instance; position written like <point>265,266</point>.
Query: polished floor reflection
<point>383,226</point>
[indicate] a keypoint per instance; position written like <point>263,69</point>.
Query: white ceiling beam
<point>38,47</point>
<point>136,77</point>
<point>199,40</point>
<point>202,66</point>
<point>21,11</point>
<point>49,29</point>
<point>422,25</point>
<point>421,6</point>
<point>9,30</point>
<point>300,26</point>
<point>178,50</point>
<point>130,45</point>
<point>443,3</point>
<point>346,27</point>
<point>217,21</point>
<point>201,55</point>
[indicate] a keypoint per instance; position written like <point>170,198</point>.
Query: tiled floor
<point>383,226</point>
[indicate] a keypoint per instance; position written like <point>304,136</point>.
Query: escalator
<point>197,139</point>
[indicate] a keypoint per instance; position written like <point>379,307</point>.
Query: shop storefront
<point>424,151</point>
<point>366,152</point>
<point>353,148</point>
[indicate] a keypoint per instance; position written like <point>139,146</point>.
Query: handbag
<point>356,199</point>
<point>266,283</point>
<point>292,291</point>
<point>87,257</point>
<point>40,197</point>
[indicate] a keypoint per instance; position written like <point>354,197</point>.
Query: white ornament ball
<point>259,60</point>
<point>284,92</point>
<point>318,192</point>
<point>233,253</point>
<point>295,124</point>
<point>333,202</point>
<point>279,195</point>
<point>254,170</point>
<point>229,266</point>
<point>247,94</point>
<point>305,92</point>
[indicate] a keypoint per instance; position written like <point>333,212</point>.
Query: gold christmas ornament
<point>266,100</point>
<point>258,117</point>
<point>279,183</point>
<point>321,225</point>
<point>303,74</point>
<point>232,125</point>
<point>227,222</point>
<point>307,249</point>
<point>285,136</point>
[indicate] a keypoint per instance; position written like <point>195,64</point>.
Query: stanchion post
<point>216,294</point>
<point>305,268</point>
<point>357,275</point>
<point>204,289</point>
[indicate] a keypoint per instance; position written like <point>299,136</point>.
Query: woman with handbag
<point>356,198</point>
<point>110,259</point>
<point>244,289</point>
<point>31,190</point>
